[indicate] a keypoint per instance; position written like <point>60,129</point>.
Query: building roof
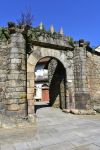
<point>97,49</point>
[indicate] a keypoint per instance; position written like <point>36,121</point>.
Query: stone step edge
<point>80,111</point>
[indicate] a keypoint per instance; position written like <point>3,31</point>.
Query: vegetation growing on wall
<point>70,41</point>
<point>32,34</point>
<point>35,33</point>
<point>4,34</point>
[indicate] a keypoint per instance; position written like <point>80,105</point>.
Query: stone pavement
<point>54,130</point>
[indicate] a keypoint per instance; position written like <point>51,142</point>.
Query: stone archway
<point>33,58</point>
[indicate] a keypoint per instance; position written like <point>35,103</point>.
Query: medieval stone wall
<point>93,77</point>
<point>70,80</point>
<point>16,77</point>
<point>13,76</point>
<point>82,70</point>
<point>3,73</point>
<point>82,96</point>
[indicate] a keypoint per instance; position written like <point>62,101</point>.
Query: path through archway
<point>50,83</point>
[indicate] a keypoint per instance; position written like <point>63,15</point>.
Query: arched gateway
<point>62,56</point>
<point>68,75</point>
<point>56,78</point>
<point>69,57</point>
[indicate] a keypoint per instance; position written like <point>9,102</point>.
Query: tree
<point>26,18</point>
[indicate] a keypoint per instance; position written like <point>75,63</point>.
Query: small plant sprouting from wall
<point>4,34</point>
<point>70,41</point>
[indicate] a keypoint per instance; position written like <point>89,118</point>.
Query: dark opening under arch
<point>56,81</point>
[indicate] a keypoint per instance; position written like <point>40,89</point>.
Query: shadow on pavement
<point>39,105</point>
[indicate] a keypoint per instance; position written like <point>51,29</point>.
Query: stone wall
<point>80,85</point>
<point>82,96</point>
<point>3,73</point>
<point>31,62</point>
<point>93,77</point>
<point>70,80</point>
<point>16,103</point>
<point>13,76</point>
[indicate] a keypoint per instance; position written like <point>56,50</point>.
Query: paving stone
<point>21,146</point>
<point>88,147</point>
<point>54,130</point>
<point>7,147</point>
<point>34,144</point>
<point>61,146</point>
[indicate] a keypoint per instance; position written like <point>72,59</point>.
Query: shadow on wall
<point>57,86</point>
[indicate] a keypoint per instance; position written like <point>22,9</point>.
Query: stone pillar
<point>3,74</point>
<point>70,93</point>
<point>30,87</point>
<point>82,96</point>
<point>16,98</point>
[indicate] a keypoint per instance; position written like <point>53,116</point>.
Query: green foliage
<point>32,34</point>
<point>4,34</point>
<point>11,24</point>
<point>35,33</point>
<point>70,41</point>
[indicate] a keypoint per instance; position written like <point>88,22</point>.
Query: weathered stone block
<point>1,105</point>
<point>23,106</point>
<point>16,83</point>
<point>8,90</point>
<point>29,96</point>
<point>17,38</point>
<point>30,90</point>
<point>31,110</point>
<point>22,113</point>
<point>14,95</point>
<point>30,76</point>
<point>29,68</point>
<point>14,50</point>
<point>14,61</point>
<point>12,101</point>
<point>11,113</point>
<point>31,83</point>
<point>31,102</point>
<point>13,76</point>
<point>66,110</point>
<point>12,56</point>
<point>21,101</point>
<point>1,89</point>
<point>83,112</point>
<point>13,107</point>
<point>3,77</point>
<point>20,89</point>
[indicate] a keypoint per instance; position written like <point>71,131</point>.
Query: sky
<point>79,19</point>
